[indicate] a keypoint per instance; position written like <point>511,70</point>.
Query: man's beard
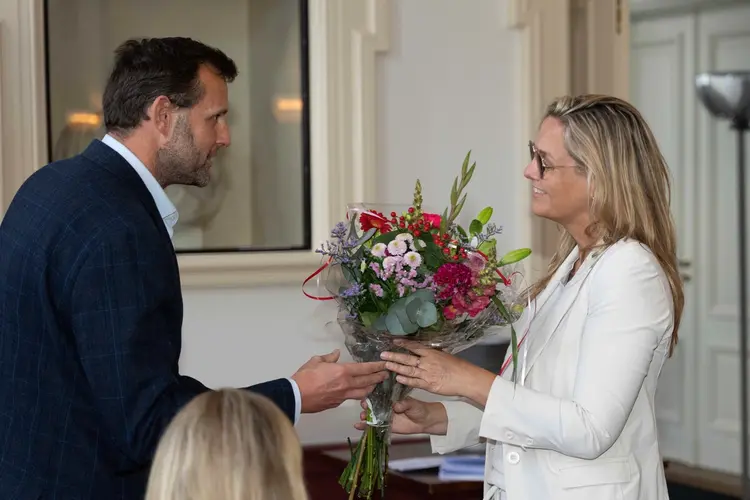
<point>180,161</point>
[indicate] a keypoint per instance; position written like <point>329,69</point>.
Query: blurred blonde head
<point>231,445</point>
<point>608,181</point>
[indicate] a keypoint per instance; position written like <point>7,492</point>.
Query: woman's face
<point>560,190</point>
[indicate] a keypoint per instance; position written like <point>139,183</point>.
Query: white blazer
<point>582,424</point>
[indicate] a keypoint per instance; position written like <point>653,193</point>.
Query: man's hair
<point>145,69</point>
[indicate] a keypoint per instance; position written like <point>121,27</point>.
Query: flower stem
<point>362,446</point>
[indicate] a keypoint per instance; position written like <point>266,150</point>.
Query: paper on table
<point>462,468</point>
<point>416,463</point>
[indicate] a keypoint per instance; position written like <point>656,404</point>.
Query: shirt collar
<point>166,208</point>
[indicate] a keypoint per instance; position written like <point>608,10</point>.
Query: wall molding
<point>544,73</point>
<point>345,38</point>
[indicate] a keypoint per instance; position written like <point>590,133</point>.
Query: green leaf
<point>475,227</point>
<point>380,324</point>
<point>459,207</point>
<point>515,256</point>
<point>425,294</point>
<point>433,256</point>
<point>412,308</point>
<point>427,314</point>
<point>366,237</point>
<point>394,325</point>
<point>462,232</point>
<point>485,215</point>
<point>487,245</point>
<point>398,310</point>
<point>369,318</point>
<point>454,192</point>
<point>444,221</point>
<point>387,237</point>
<point>465,164</point>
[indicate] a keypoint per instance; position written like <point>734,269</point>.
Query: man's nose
<point>224,138</point>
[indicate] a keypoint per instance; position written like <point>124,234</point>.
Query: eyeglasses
<point>538,158</point>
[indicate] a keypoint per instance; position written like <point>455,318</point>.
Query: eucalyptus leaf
<point>398,309</point>
<point>485,215</point>
<point>425,294</point>
<point>475,227</point>
<point>366,237</point>
<point>515,256</point>
<point>427,314</point>
<point>412,309</point>
<point>394,325</point>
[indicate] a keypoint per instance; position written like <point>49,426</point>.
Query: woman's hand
<point>412,416</point>
<point>439,372</point>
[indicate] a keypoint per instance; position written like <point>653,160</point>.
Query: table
<point>323,467</point>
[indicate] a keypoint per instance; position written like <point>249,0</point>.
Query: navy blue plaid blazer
<point>90,333</point>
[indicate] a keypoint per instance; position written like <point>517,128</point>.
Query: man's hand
<point>325,384</point>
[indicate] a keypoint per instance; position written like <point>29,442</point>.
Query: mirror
<point>259,196</point>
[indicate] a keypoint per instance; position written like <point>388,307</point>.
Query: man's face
<point>197,135</point>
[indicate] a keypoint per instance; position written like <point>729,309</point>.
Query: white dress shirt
<point>169,215</point>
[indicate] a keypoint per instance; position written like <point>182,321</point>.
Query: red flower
<point>433,219</point>
<point>452,279</point>
<point>369,220</point>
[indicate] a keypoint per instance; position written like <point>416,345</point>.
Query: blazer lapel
<point>557,310</point>
<point>532,310</point>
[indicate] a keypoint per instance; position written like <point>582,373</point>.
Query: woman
<point>229,444</point>
<point>579,422</point>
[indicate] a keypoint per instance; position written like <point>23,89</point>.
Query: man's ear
<point>161,116</point>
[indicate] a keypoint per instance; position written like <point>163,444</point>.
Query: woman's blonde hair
<point>228,444</point>
<point>629,183</point>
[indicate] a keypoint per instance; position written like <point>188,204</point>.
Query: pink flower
<point>453,278</point>
<point>434,219</point>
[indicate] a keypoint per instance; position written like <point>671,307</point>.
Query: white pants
<point>494,493</point>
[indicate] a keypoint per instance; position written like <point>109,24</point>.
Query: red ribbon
<point>317,272</point>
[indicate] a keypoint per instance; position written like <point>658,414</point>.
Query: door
<point>662,68</point>
<point>723,44</point>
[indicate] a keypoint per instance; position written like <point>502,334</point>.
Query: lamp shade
<point>726,94</point>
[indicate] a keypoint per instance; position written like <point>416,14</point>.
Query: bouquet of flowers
<point>421,276</point>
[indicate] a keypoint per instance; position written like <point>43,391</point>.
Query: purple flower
<point>353,291</point>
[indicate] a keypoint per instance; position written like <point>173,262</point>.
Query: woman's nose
<point>531,172</point>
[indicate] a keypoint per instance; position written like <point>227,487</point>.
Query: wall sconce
<point>80,129</point>
<point>288,109</point>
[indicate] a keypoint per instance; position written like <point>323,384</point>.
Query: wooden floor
<point>689,483</point>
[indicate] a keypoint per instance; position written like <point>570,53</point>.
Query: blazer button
<point>509,435</point>
<point>529,442</point>
<point>514,457</point>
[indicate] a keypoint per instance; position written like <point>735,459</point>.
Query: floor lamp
<point>726,95</point>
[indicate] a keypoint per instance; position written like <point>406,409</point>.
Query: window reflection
<point>258,198</point>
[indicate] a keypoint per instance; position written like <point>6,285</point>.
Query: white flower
<point>397,247</point>
<point>406,238</point>
<point>378,250</point>
<point>413,259</point>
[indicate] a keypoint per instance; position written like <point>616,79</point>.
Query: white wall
<point>448,84</point>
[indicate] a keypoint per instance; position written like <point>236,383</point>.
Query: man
<point>90,299</point>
